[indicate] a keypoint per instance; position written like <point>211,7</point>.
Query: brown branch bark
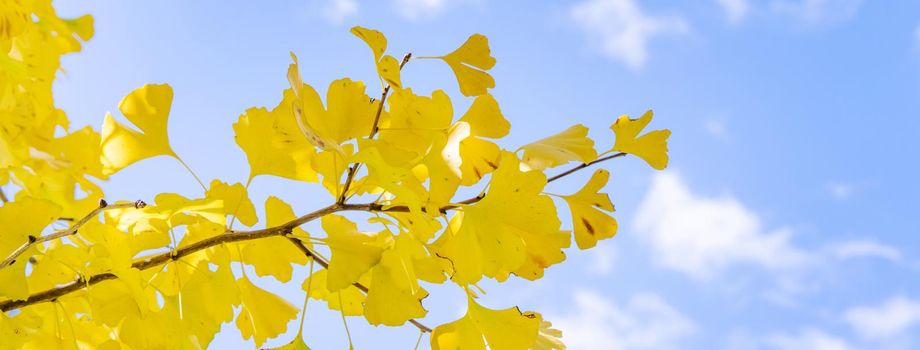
<point>383,99</point>
<point>239,236</point>
<point>33,240</point>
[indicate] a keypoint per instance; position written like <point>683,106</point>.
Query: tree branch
<point>33,240</point>
<point>383,99</point>
<point>582,166</point>
<point>162,258</point>
<point>239,236</point>
<point>3,196</point>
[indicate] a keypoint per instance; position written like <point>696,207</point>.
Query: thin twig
<point>3,196</point>
<point>383,99</point>
<point>239,236</point>
<point>35,240</point>
<point>582,166</point>
<point>159,259</point>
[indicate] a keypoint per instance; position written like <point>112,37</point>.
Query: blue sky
<point>786,220</point>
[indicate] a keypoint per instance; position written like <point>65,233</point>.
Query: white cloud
<point>416,9</point>
<point>840,190</point>
<point>891,318</point>
<point>863,248</point>
<point>735,10</point>
<point>622,30</point>
<point>716,128</point>
<point>818,11</point>
<point>808,339</point>
<point>701,236</point>
<point>917,34</point>
<point>337,11</point>
<point>604,257</point>
<point>645,322</point>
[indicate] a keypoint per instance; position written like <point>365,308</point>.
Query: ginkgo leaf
<point>374,39</point>
<point>273,144</point>
<point>513,229</point>
<point>591,223</point>
<point>387,66</point>
<point>414,120</point>
<point>388,69</point>
<point>274,255</point>
<point>296,344</point>
<point>19,220</point>
<point>469,63</point>
<point>485,118</point>
<point>395,180</point>
<point>651,147</point>
<point>353,252</point>
<point>481,327</point>
<point>208,299</point>
<point>148,109</point>
<point>349,300</point>
<point>395,295</point>
<point>572,144</point>
<point>349,112</point>
<point>264,315</point>
<point>548,338</point>
<point>236,201</point>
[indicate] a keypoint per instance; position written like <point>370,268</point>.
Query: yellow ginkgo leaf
<point>485,118</point>
<point>273,144</point>
<point>469,63</point>
<point>236,201</point>
<point>148,109</point>
<point>592,224</point>
<point>374,39</point>
<point>414,120</point>
<point>481,327</point>
<point>572,144</point>
<point>395,295</point>
<point>387,66</point>
<point>207,301</point>
<point>274,255</point>
<point>350,300</point>
<point>548,338</point>
<point>349,112</point>
<point>388,69</point>
<point>353,252</point>
<point>511,230</point>
<point>264,315</point>
<point>19,220</point>
<point>651,147</point>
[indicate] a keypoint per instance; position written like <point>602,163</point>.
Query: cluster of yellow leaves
<point>416,156</point>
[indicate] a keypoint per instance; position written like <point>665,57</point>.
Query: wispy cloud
<point>818,11</point>
<point>893,317</point>
<point>419,9</point>
<point>807,339</point>
<point>337,11</point>
<point>735,10</point>
<point>840,190</point>
<point>864,249</point>
<point>700,236</point>
<point>645,322</point>
<point>604,257</point>
<point>622,30</point>
<point>917,34</point>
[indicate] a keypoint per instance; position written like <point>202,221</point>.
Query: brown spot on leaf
<point>588,226</point>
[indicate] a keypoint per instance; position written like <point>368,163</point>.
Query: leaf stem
<point>203,187</point>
